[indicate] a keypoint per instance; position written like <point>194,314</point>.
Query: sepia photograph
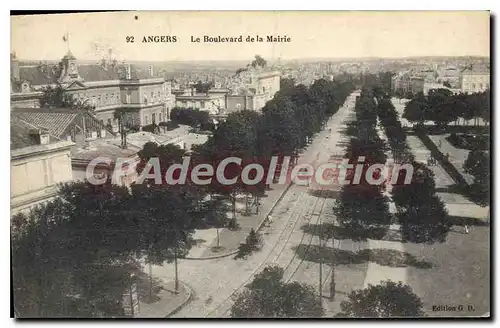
<point>250,164</point>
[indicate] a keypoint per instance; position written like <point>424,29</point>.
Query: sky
<point>314,34</point>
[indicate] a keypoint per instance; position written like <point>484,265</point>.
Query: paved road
<point>215,281</point>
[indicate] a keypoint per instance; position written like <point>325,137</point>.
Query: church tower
<point>69,69</point>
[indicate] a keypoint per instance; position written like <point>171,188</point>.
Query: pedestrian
<point>439,144</point>
<point>268,221</point>
<point>466,228</point>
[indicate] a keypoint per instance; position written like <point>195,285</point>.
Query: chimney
<point>40,136</point>
<point>151,70</point>
<point>129,72</point>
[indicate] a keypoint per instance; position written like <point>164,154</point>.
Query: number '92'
<point>129,39</point>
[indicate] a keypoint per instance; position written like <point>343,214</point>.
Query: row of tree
<point>421,213</point>
<point>287,122</point>
<point>444,107</point>
<point>362,206</point>
<point>478,164</point>
<point>87,243</point>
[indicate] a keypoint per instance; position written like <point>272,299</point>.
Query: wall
<point>147,114</point>
<point>23,100</point>
<point>46,166</point>
<point>152,94</point>
<point>268,85</point>
<point>210,103</point>
<point>234,103</point>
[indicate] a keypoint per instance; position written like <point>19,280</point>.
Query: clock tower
<point>69,69</point>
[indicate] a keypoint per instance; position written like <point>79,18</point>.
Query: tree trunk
<point>233,201</point>
<point>150,282</point>
<point>176,272</point>
<point>247,204</point>
<point>218,237</point>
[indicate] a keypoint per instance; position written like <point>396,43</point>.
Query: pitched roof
<point>46,74</point>
<point>19,137</point>
<point>39,75</point>
<point>99,72</point>
<point>20,134</point>
<point>55,120</point>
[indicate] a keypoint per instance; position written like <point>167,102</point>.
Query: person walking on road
<point>466,228</point>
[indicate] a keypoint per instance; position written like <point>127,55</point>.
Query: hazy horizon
<point>333,59</point>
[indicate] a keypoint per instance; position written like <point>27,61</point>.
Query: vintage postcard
<point>250,164</point>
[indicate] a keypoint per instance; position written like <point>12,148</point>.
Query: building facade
<point>213,101</point>
<point>251,89</point>
<point>108,87</point>
<point>38,164</point>
<point>405,83</point>
<point>475,79</point>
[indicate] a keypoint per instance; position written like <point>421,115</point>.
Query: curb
<point>183,304</point>
<point>257,229</point>
<point>213,257</point>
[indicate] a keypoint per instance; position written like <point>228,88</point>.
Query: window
<point>153,118</point>
<point>473,86</point>
<point>127,97</point>
<point>238,106</point>
<point>159,118</point>
<point>145,120</point>
<point>202,104</point>
<point>109,121</point>
<point>480,86</point>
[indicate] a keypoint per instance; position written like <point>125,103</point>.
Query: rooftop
<point>20,137</point>
<point>476,69</point>
<point>55,120</point>
<point>44,74</point>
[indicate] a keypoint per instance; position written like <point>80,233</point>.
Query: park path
<point>377,273</point>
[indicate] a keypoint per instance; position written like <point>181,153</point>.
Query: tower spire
<point>66,40</point>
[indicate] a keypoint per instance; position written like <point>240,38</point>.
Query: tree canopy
<point>443,107</point>
<point>386,300</point>
<point>267,296</point>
